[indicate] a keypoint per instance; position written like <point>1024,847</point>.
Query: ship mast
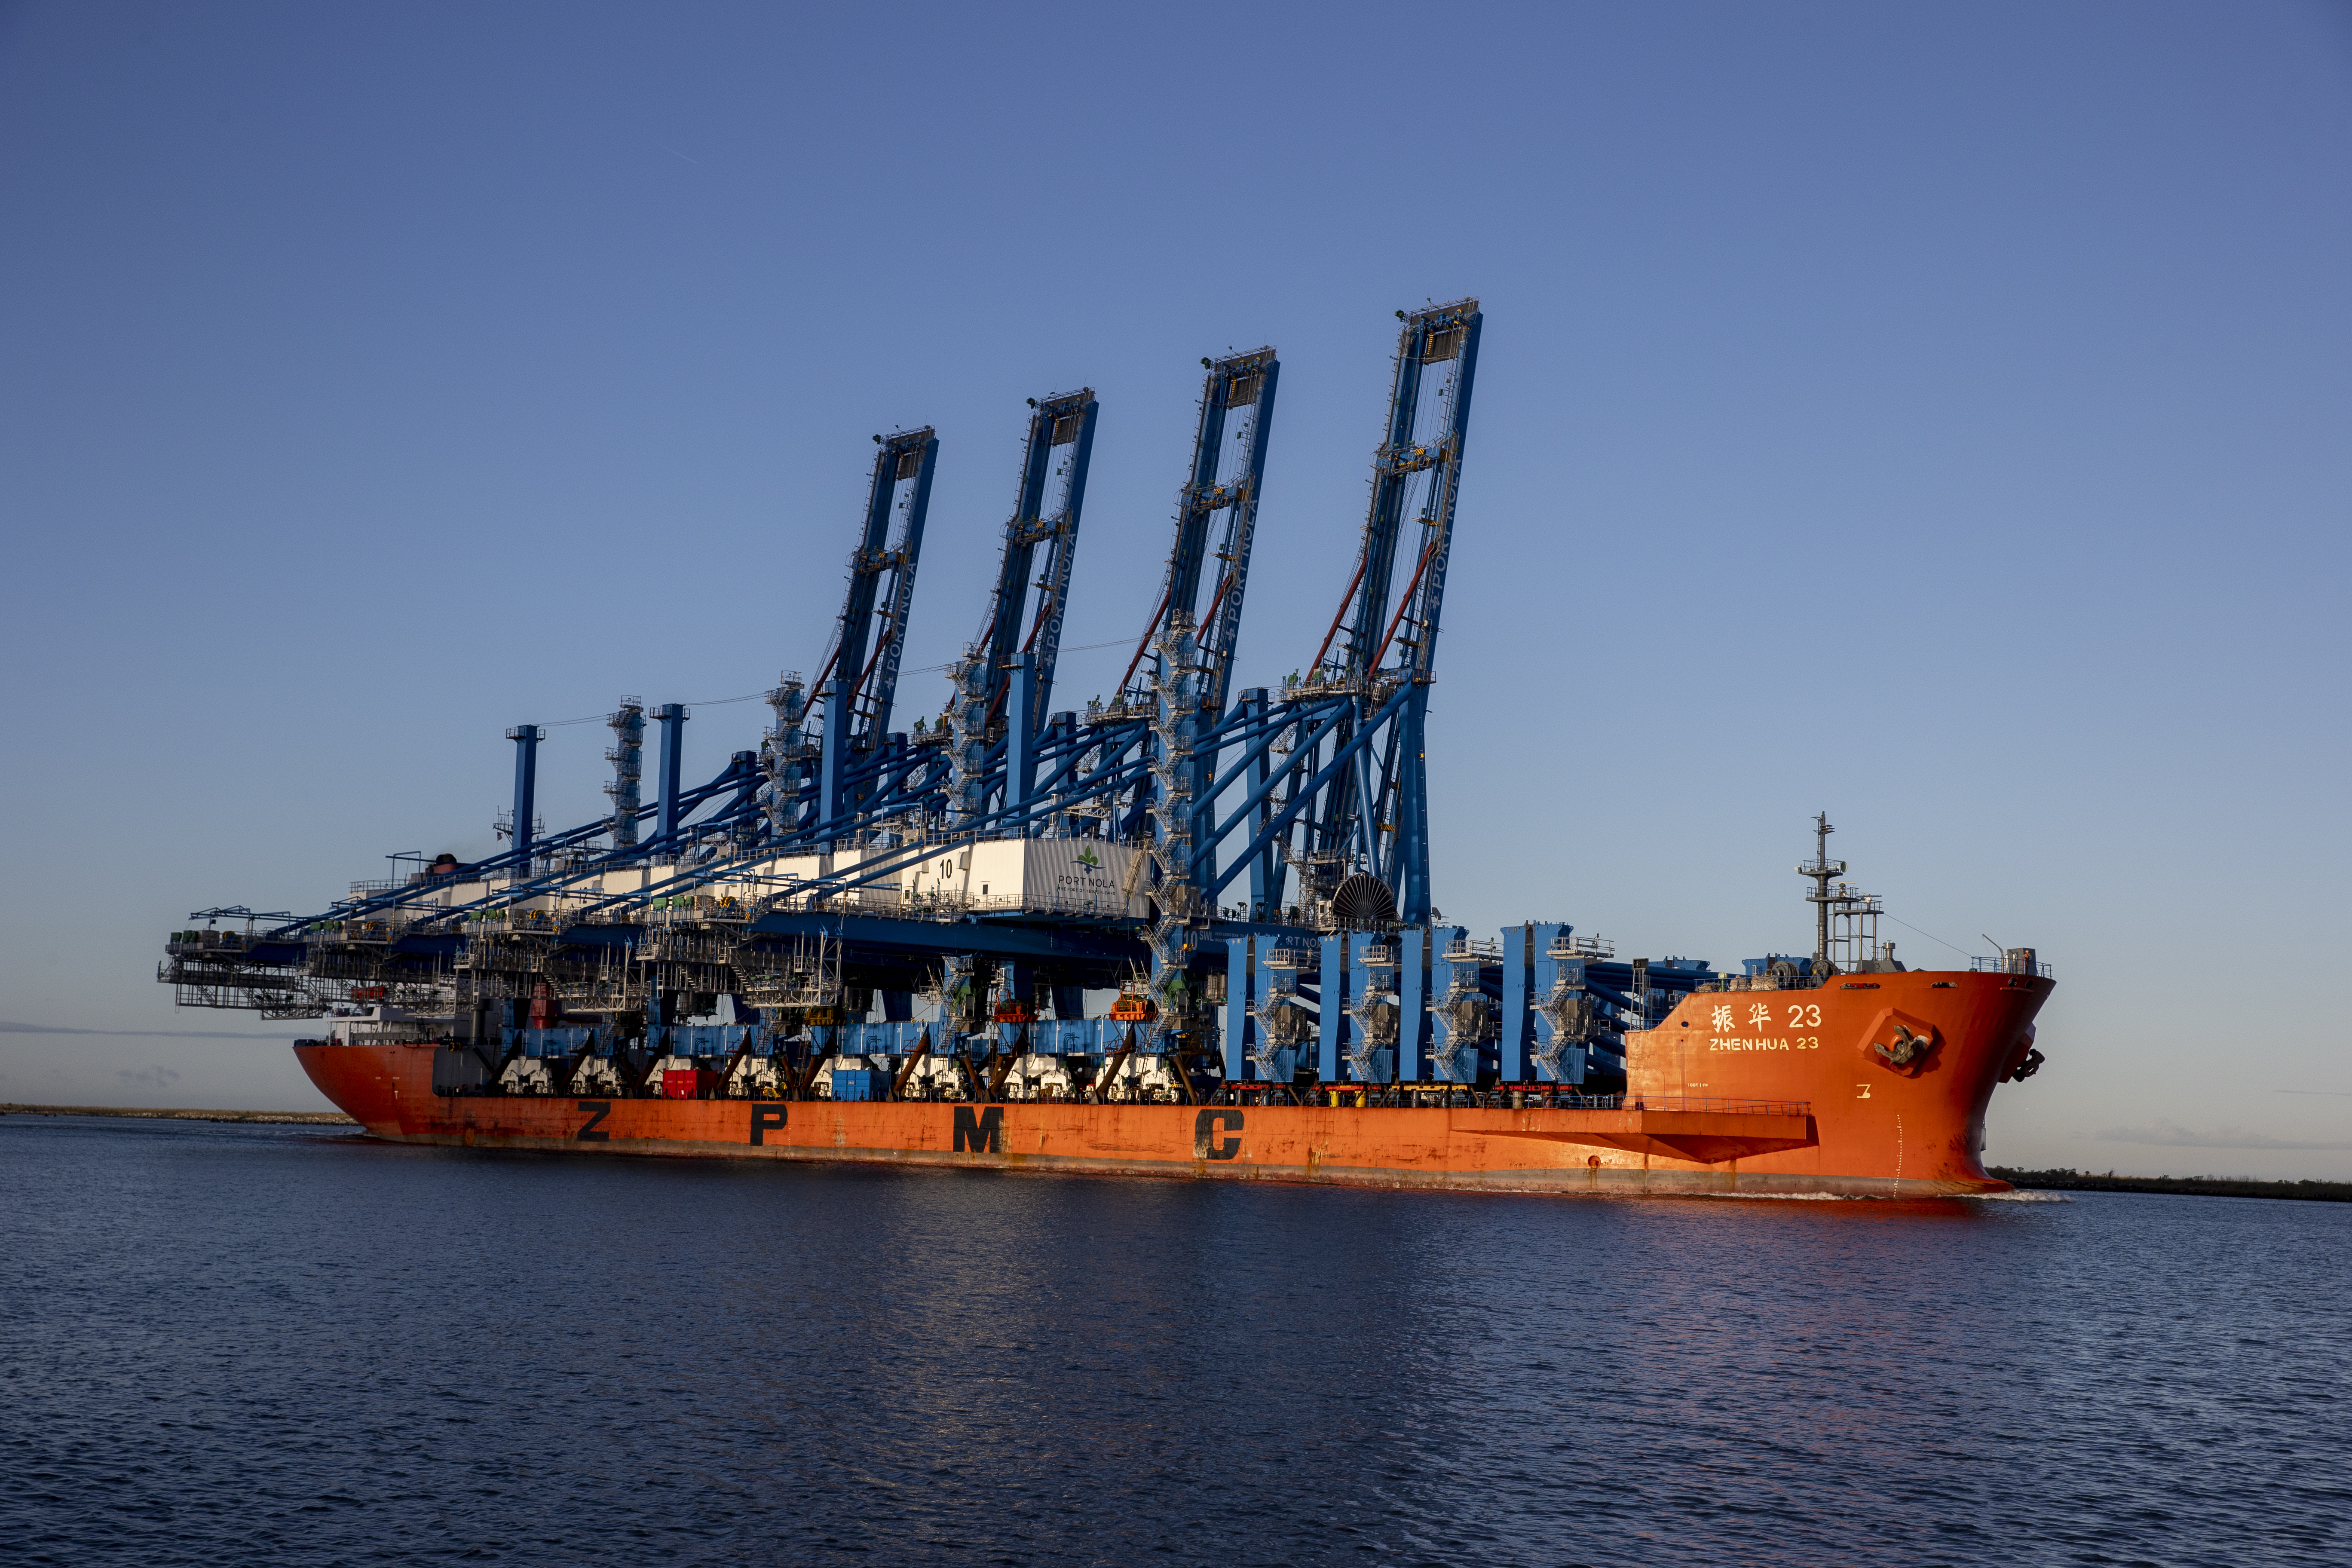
<point>1822,871</point>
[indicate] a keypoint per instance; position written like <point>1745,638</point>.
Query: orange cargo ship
<point>1868,1084</point>
<point>737,968</point>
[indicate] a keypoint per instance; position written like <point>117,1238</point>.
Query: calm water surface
<point>244,1345</point>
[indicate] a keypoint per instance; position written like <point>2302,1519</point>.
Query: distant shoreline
<point>293,1118</point>
<point>2066,1181</point>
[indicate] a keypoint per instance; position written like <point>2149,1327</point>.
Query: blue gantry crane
<point>856,687</point>
<point>1372,822</point>
<point>1239,390</point>
<point>1245,869</point>
<point>1003,685</point>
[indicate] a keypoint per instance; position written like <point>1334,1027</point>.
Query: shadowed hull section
<point>1848,1120</point>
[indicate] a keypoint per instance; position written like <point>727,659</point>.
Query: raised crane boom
<point>1240,385</point>
<point>1414,446</point>
<point>1052,497</point>
<point>980,715</point>
<point>1366,842</point>
<point>872,617</point>
<point>859,680</point>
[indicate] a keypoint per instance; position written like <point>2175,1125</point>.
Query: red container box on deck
<point>687,1083</point>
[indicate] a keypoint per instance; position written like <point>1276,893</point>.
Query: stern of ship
<point>380,1084</point>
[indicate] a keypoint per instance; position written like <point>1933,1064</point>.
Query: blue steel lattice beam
<point>1191,649</point>
<point>1048,514</point>
<point>1374,815</point>
<point>858,682</point>
<point>1318,751</point>
<point>1243,383</point>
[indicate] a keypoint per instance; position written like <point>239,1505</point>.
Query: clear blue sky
<point>1938,417</point>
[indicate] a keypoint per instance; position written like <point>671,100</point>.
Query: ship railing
<point>1094,901</point>
<point>1544,1096</point>
<point>1712,1103</point>
<point>206,943</point>
<point>2006,963</point>
<point>699,908</point>
<point>837,900</point>
<point>1111,905</point>
<point>1719,984</point>
<point>370,930</point>
<point>1502,1097</point>
<point>512,922</point>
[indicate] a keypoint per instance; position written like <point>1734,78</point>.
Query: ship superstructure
<point>1191,896</point>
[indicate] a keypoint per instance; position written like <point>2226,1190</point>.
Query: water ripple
<point>224,1344</point>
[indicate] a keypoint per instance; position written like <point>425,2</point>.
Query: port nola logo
<point>1082,877</point>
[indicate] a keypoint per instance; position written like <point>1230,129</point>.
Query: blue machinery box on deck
<point>854,1083</point>
<point>547,1042</point>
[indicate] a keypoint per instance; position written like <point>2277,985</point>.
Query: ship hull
<point>1811,1094</point>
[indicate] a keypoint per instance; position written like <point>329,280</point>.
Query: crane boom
<point>1047,514</point>
<point>1238,383</point>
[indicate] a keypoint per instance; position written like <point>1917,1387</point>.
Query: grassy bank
<point>2188,1187</point>
<point>298,1118</point>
